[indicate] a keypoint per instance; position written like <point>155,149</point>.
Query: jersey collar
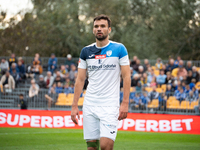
<point>103,46</point>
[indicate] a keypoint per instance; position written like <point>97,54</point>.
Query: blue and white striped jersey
<point>103,67</point>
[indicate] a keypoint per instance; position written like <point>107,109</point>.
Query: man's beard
<point>101,38</point>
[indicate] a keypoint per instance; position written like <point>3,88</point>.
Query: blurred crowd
<point>175,78</point>
<point>148,82</point>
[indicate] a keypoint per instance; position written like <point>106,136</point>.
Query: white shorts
<point>100,121</point>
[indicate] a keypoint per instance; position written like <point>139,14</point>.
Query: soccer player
<point>104,61</point>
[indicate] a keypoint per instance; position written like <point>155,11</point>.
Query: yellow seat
<point>159,90</point>
<point>198,68</point>
<point>175,104</point>
<point>197,85</point>
<point>193,104</point>
<point>164,87</point>
<point>148,89</point>
<point>154,104</point>
<point>61,99</point>
<point>156,72</point>
<point>153,67</point>
<point>185,105</point>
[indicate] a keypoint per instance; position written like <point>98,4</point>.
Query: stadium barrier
<point>135,122</point>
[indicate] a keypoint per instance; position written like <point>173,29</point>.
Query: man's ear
<point>109,29</point>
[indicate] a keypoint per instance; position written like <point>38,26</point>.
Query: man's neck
<point>102,43</point>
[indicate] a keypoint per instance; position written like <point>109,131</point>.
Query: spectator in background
<point>33,90</point>
<point>189,66</point>
<point>58,78</point>
<point>42,84</point>
<point>164,68</point>
<point>15,73</point>
<point>180,94</point>
<point>180,71</point>
<point>160,79</point>
<point>149,71</point>
<point>48,79</point>
<point>177,61</point>
<point>144,100</point>
<point>20,59</point>
<point>169,92</point>
<point>192,84</point>
<point>159,64</point>
<point>169,78</point>
<point>7,81</point>
<point>191,97</point>
<point>146,64</point>
<point>22,102</point>
<point>133,62</point>
<point>171,65</point>
<point>162,101</point>
<point>137,64</point>
<point>36,66</point>
<point>140,70</point>
<point>4,66</point>
<point>187,90</point>
<point>37,55</point>
<point>195,92</point>
<point>66,89</point>
<point>59,88</point>
<point>144,81</point>
<point>153,82</point>
<point>150,77</point>
<point>135,80</point>
<point>189,77</point>
<point>183,84</point>
<point>21,69</point>
<point>52,96</point>
<point>69,62</point>
<point>195,73</point>
<point>52,63</point>
<point>12,59</point>
<point>71,88</point>
<point>63,71</point>
<point>72,72</point>
<point>13,67</point>
<point>174,85</point>
<point>153,94</point>
<point>134,101</point>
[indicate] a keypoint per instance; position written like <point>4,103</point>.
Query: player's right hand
<point>74,113</point>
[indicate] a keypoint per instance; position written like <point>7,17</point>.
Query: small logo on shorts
<point>112,132</point>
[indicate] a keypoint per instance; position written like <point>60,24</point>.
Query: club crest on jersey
<point>100,56</point>
<point>109,53</point>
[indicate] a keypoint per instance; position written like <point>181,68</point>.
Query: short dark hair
<point>21,95</point>
<point>104,17</point>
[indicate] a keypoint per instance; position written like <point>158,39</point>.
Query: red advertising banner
<point>134,122</point>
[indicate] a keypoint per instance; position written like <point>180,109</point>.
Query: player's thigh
<point>106,143</point>
<point>109,122</point>
<point>91,124</point>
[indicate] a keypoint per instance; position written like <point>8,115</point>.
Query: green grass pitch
<point>70,139</point>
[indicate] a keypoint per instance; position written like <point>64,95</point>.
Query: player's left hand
<point>123,111</point>
<point>74,113</point>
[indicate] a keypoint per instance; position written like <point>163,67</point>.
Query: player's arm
<point>123,111</point>
<point>77,92</point>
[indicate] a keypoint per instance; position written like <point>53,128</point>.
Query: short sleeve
<point>82,60</point>
<point>123,56</point>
